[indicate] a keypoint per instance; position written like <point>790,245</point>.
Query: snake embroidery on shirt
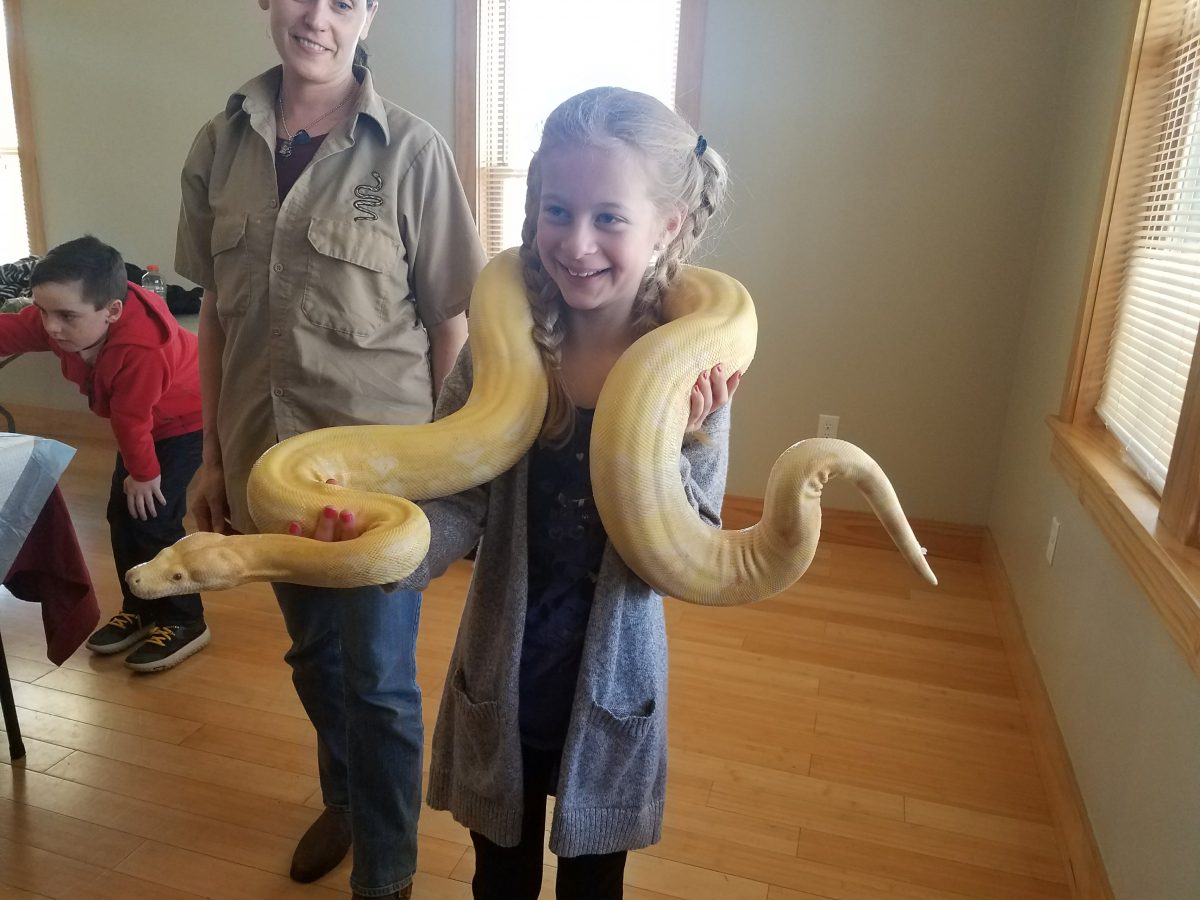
<point>368,197</point>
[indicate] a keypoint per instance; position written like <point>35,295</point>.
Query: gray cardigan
<point>612,778</point>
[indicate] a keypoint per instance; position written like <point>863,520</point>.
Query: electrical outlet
<point>827,426</point>
<point>1050,544</point>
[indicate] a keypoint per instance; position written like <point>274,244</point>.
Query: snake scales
<point>637,431</point>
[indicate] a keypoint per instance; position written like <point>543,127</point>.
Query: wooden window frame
<point>693,14</point>
<point>26,139</point>
<point>1156,537</point>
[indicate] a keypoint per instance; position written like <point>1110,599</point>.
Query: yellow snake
<point>637,432</point>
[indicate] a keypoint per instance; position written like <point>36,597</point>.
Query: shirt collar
<point>259,96</point>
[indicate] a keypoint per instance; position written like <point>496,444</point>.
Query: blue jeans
<point>353,660</point>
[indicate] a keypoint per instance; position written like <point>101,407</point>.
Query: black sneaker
<point>123,630</point>
<point>168,645</point>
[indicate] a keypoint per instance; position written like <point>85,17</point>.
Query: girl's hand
<point>712,391</point>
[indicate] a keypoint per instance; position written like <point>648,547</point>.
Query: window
<point>519,58</point>
<point>21,229</point>
<point>1128,434</point>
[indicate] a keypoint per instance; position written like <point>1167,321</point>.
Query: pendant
<point>285,149</point>
<point>301,137</point>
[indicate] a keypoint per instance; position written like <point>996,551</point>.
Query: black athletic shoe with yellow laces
<point>168,645</point>
<point>122,631</point>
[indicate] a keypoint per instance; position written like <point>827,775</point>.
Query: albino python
<point>637,432</point>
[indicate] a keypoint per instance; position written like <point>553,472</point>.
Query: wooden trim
<point>1082,388</point>
<point>31,184</point>
<point>861,529</point>
<point>466,90</point>
<point>1086,874</point>
<point>689,70</point>
<point>1126,509</point>
<point>64,425</point>
<point>1180,510</point>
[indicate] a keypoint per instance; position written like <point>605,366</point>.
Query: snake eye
<point>178,576</point>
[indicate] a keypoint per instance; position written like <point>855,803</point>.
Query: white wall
<point>1125,699</point>
<point>889,162</point>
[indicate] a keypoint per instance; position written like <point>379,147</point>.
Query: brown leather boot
<point>323,846</point>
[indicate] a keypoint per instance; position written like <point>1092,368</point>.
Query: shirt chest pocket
<point>231,265</point>
<point>357,279</point>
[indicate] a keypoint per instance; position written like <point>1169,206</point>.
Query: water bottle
<point>152,281</point>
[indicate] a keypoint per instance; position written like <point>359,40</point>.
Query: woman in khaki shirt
<point>337,252</point>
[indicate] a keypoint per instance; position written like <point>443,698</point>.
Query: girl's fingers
<point>720,388</point>
<point>695,409</point>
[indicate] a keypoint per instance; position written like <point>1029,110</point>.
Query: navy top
<point>566,544</point>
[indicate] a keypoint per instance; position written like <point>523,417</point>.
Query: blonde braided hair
<point>689,177</point>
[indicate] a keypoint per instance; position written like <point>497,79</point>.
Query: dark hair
<point>360,52</point>
<point>97,267</point>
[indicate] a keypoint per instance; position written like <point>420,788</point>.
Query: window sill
<point>1126,510</point>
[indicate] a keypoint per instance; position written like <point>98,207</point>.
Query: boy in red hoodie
<point>138,369</point>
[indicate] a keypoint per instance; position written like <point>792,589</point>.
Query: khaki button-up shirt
<point>325,298</point>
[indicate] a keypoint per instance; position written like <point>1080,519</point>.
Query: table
<point>40,555</point>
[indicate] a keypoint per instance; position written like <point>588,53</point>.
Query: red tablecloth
<point>50,570</point>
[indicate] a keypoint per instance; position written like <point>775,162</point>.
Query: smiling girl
<point>558,679</point>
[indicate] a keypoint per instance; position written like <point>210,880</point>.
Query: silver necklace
<point>302,136</point>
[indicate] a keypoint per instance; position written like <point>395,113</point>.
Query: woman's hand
<point>210,504</point>
<point>712,391</point>
<point>331,525</point>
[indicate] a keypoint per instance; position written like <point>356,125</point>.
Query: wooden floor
<point>857,738</point>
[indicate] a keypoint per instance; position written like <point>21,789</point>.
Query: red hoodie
<point>145,379</point>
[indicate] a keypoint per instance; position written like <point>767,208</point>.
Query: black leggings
<point>515,873</point>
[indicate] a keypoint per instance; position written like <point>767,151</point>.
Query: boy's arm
<point>136,389</point>
<point>22,332</point>
<point>211,504</point>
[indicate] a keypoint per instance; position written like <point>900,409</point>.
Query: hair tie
<point>701,145</point>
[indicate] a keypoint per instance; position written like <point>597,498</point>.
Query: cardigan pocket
<point>624,758</point>
<point>476,742</point>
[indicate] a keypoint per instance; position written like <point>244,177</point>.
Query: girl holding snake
<point>337,252</point>
<point>557,682</point>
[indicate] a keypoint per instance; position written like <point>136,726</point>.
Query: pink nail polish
<point>330,512</point>
<point>294,528</point>
<point>347,516</point>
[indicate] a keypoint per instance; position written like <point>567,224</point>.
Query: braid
<point>707,189</point>
<point>548,328</point>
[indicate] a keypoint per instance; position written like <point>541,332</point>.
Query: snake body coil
<point>636,435</point>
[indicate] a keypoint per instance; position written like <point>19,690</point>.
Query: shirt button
<point>278,392</point>
<point>275,332</point>
<point>278,267</point>
<point>273,203</point>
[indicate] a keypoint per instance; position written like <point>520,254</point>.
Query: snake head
<point>198,562</point>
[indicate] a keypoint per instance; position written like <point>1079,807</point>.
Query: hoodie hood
<point>145,321</point>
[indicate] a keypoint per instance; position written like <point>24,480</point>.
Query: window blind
<point>1150,280</point>
<point>533,54</point>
